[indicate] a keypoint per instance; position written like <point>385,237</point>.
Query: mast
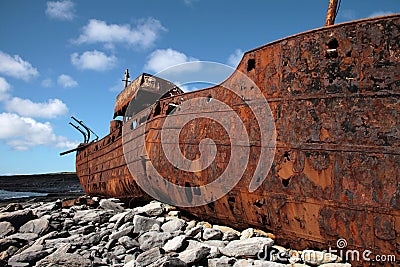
<point>126,80</point>
<point>331,14</point>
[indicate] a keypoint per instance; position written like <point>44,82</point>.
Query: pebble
<point>154,235</point>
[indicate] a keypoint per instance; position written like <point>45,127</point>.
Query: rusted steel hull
<point>334,95</point>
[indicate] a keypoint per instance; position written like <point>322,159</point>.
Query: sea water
<point>9,194</point>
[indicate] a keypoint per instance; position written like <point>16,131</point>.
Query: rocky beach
<point>103,232</point>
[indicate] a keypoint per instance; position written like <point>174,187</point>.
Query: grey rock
<point>223,261</point>
<point>68,223</point>
<point>121,233</point>
<point>247,233</point>
<point>23,236</point>
<point>12,207</point>
<point>6,243</point>
<point>82,230</point>
<point>193,232</point>
<point>131,263</point>
<point>6,228</point>
<point>51,235</point>
<point>168,261</point>
<point>17,218</point>
<point>46,208</point>
<point>127,218</point>
<point>154,208</point>
<point>110,244</point>
<point>225,229</point>
<point>53,242</point>
<point>212,234</point>
<point>118,216</point>
<point>28,256</point>
<point>142,224</point>
<point>175,243</point>
<point>55,225</point>
<point>149,256</point>
<point>191,256</point>
<point>64,259</point>
<point>118,250</point>
<point>243,263</point>
<point>249,247</point>
<point>216,243</point>
<point>230,236</point>
<point>111,205</point>
<point>33,248</point>
<point>19,264</point>
<point>155,227</point>
<point>128,242</point>
<point>153,239</point>
<point>129,258</point>
<point>5,255</point>
<point>214,249</point>
<point>38,226</point>
<point>88,240</point>
<point>64,248</point>
<point>105,235</point>
<point>190,225</point>
<point>93,216</point>
<point>131,254</point>
<point>174,225</point>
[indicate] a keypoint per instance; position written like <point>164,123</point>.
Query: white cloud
<point>234,59</point>
<point>16,67</point>
<point>161,59</point>
<point>4,88</point>
<point>143,35</point>
<point>47,83</point>
<point>22,133</point>
<point>93,60</point>
<point>62,10</point>
<point>380,13</point>
<point>66,81</point>
<point>25,107</point>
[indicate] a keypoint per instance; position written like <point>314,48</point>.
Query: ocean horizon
<point>4,194</point>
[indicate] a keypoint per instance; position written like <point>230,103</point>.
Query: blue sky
<point>67,58</point>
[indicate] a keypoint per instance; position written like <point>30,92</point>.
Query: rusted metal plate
<point>334,95</point>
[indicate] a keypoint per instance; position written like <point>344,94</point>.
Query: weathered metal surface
<point>152,89</point>
<point>331,13</point>
<point>334,94</point>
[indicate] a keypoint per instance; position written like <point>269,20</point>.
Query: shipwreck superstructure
<point>334,95</point>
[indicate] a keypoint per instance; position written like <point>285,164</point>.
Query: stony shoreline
<point>102,232</point>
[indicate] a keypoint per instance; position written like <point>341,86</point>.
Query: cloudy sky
<point>67,58</point>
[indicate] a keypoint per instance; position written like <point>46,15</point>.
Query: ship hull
<point>334,96</point>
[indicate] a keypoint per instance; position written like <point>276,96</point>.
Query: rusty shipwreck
<point>334,95</point>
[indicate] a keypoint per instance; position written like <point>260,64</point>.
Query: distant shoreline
<point>51,183</point>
